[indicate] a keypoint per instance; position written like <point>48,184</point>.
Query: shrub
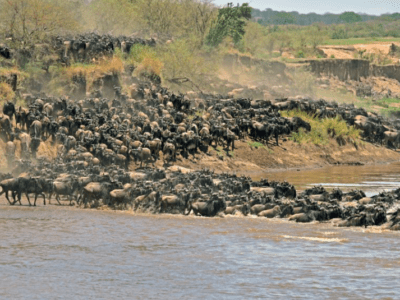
<point>300,54</point>
<point>146,61</point>
<point>340,33</point>
<point>321,130</point>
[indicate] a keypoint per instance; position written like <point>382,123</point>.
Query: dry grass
<point>7,72</point>
<point>149,66</point>
<point>145,59</point>
<point>6,92</point>
<point>93,72</point>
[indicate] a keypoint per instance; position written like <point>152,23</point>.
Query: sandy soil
<point>349,52</point>
<point>339,52</point>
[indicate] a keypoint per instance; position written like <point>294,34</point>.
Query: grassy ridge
<point>385,106</point>
<point>355,41</point>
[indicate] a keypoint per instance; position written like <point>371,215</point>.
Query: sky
<point>371,7</point>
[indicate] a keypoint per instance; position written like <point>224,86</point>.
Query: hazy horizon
<point>370,7</point>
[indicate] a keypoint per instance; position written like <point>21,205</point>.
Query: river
<point>57,252</point>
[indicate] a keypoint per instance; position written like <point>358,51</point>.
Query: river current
<point>52,252</point>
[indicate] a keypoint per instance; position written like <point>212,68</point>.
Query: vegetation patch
<point>355,41</point>
<point>385,106</point>
<point>322,130</point>
<point>256,145</point>
<point>220,152</point>
<point>63,78</point>
<point>6,92</point>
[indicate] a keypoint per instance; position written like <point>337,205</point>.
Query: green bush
<point>340,33</point>
<point>300,54</point>
<point>321,130</point>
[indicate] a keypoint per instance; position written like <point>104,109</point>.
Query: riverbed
<point>52,252</point>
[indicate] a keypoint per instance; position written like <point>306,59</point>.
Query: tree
<point>230,22</point>
<point>202,14</point>
<point>111,16</point>
<point>283,18</point>
<point>350,17</point>
<point>181,61</point>
<point>339,33</point>
<point>28,22</point>
<point>160,16</point>
<point>282,39</point>
<point>316,36</point>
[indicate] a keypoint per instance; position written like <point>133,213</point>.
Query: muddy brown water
<point>372,179</point>
<point>57,252</point>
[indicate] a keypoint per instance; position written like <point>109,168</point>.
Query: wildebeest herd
<point>82,47</point>
<point>99,143</point>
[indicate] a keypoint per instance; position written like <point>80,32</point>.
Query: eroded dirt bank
<point>289,155</point>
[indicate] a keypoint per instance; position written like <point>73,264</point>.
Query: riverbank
<point>251,157</point>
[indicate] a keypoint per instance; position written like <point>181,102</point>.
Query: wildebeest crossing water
<point>59,251</point>
<point>145,251</point>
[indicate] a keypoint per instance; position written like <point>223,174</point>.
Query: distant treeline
<point>269,16</point>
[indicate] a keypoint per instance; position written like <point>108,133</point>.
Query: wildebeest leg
<point>6,194</point>
<point>18,199</point>
<point>89,201</point>
<point>276,138</point>
<point>79,199</point>
<point>84,200</point>
<point>58,199</point>
<point>44,198</point>
<point>29,201</point>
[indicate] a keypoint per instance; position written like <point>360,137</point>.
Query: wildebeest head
<point>286,210</point>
